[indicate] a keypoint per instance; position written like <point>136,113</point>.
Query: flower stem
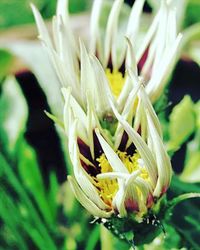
<point>182,197</point>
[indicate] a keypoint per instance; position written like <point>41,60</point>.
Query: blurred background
<point>37,208</point>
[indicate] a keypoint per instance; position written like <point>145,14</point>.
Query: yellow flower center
<point>116,81</point>
<point>107,187</point>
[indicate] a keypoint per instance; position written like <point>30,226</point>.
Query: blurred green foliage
<point>192,14</point>
<point>15,12</point>
<point>6,60</point>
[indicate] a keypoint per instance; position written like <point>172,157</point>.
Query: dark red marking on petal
<point>143,60</point>
<point>139,131</point>
<point>150,201</point>
<point>131,149</point>
<point>84,149</point>
<point>110,64</point>
<point>131,206</point>
<point>98,151</point>
<point>122,145</point>
<point>123,68</point>
<point>164,190</point>
<point>91,170</point>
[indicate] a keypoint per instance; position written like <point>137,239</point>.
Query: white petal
<point>74,111</point>
<point>158,81</point>
<point>86,202</point>
<point>147,104</point>
<point>112,175</point>
<point>126,189</point>
<point>148,37</point>
<point>94,25</point>
<point>130,58</point>
<point>103,92</point>
<point>66,94</point>
<point>62,10</point>
<point>162,159</point>
<point>111,33</point>
<point>87,74</point>
<point>83,179</point>
<point>66,52</point>
<point>43,33</point>
<point>141,146</point>
<point>134,19</point>
<point>111,155</point>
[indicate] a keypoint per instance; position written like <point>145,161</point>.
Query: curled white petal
<point>86,202</point>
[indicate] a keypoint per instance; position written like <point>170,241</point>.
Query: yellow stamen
<point>116,81</point>
<point>107,188</point>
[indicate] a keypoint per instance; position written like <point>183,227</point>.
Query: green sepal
<point>133,232</point>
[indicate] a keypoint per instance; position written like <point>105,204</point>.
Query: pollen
<point>107,188</point>
<point>132,163</point>
<point>116,81</point>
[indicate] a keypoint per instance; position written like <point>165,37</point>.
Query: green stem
<point>106,239</point>
<point>181,198</point>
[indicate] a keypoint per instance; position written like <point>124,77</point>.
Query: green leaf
<point>30,174</point>
<point>10,215</point>
<point>181,123</point>
<point>52,194</point>
<point>78,5</point>
<point>191,172</point>
<point>165,242</point>
<point>93,239</point>
<point>28,207</point>
<point>186,222</point>
<point>192,13</point>
<point>14,12</point>
<point>13,115</point>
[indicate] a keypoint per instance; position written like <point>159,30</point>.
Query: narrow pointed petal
<point>87,74</point>
<point>103,92</point>
<point>66,93</point>
<point>141,146</point>
<point>147,105</point>
<point>113,175</point>
<point>86,202</point>
<point>83,179</point>
<point>112,157</point>
<point>130,57</point>
<point>158,80</point>
<point>111,33</point>
<point>148,37</point>
<point>134,19</point>
<point>94,25</point>
<point>62,10</point>
<point>127,192</point>
<point>72,111</point>
<point>43,32</point>
<point>162,159</point>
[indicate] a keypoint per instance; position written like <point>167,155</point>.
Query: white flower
<point>115,143</point>
<point>122,172</point>
<point>152,59</point>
